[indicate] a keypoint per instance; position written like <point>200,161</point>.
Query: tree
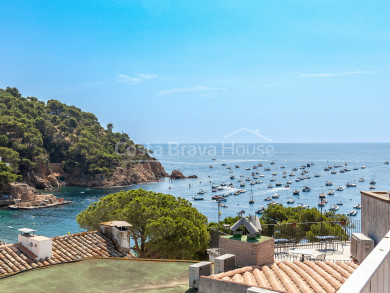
<point>163,226</point>
<point>6,175</point>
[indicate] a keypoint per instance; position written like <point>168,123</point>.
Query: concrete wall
<point>373,274</point>
<point>375,214</point>
<point>248,253</point>
<point>39,245</point>
<point>208,285</point>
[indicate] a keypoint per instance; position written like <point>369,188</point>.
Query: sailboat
<point>251,200</point>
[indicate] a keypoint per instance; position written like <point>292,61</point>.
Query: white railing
<point>373,274</point>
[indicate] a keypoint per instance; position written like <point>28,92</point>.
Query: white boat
<point>340,203</point>
<point>198,198</point>
<point>237,166</point>
<point>275,195</point>
<point>322,195</point>
<point>352,213</point>
<point>306,189</point>
<point>372,182</point>
<point>330,192</point>
<point>386,162</point>
<point>296,192</point>
<point>317,175</point>
<point>260,211</point>
<point>334,208</point>
<point>348,184</point>
<point>201,192</point>
<point>361,180</point>
<point>358,206</point>
<point>328,183</point>
<point>363,167</point>
<point>371,187</point>
<point>268,198</point>
<point>290,201</point>
<point>340,188</point>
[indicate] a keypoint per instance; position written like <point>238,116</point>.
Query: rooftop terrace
<point>103,275</point>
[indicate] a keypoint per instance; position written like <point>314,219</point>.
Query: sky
<point>200,71</point>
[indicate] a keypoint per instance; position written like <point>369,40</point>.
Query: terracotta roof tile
<point>292,277</point>
<point>68,248</point>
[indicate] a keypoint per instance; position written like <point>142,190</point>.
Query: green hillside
<point>33,132</point>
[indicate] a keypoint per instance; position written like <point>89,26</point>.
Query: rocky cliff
<point>123,175</point>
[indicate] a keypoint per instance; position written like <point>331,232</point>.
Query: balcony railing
<point>373,274</point>
<point>292,234</point>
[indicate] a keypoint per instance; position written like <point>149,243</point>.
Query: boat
<point>297,180</point>
<point>278,184</point>
<point>201,192</point>
<point>272,179</point>
<point>333,172</point>
<point>348,184</point>
<point>284,176</point>
<point>251,199</point>
<point>386,162</point>
<point>216,197</point>
<point>306,189</point>
<point>211,166</point>
<point>291,174</point>
<point>352,213</point>
<point>321,204</point>
<point>198,198</point>
<point>372,182</point>
<point>275,195</point>
<point>340,188</point>
<point>289,182</point>
<point>334,208</point>
<point>296,192</point>
<point>223,164</point>
<point>294,169</point>
<point>232,177</point>
<point>223,205</point>
<point>371,187</point>
<point>267,169</point>
<point>237,166</point>
<point>330,192</point>
<point>361,180</point>
<point>287,186</point>
<point>290,201</point>
<point>340,203</point>
<point>242,185</point>
<point>358,206</point>
<point>261,175</point>
<point>269,198</point>
<point>260,211</point>
<point>356,168</point>
<point>248,179</point>
<point>213,159</point>
<point>247,169</point>
<point>270,186</point>
<point>328,183</point>
<point>317,175</point>
<point>322,195</point>
<point>272,163</point>
<point>274,174</point>
<point>363,167</point>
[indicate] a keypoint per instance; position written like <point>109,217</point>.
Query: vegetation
<point>283,222</point>
<point>163,226</point>
<point>33,133</point>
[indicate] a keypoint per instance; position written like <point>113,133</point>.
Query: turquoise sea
<point>197,158</point>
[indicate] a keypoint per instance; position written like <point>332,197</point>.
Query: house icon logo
<point>245,132</point>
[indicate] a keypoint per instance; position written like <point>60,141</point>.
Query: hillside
<point>51,144</point>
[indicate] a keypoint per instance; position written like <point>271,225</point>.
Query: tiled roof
<point>15,258</point>
<point>292,277</point>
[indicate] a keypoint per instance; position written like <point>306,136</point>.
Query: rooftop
<point>15,258</point>
<point>293,277</point>
<point>103,275</point>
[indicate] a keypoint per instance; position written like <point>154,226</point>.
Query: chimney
<point>119,232</point>
<point>39,247</point>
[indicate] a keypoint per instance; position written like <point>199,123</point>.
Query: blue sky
<point>196,71</point>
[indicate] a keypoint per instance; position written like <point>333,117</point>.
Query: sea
<point>214,164</point>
